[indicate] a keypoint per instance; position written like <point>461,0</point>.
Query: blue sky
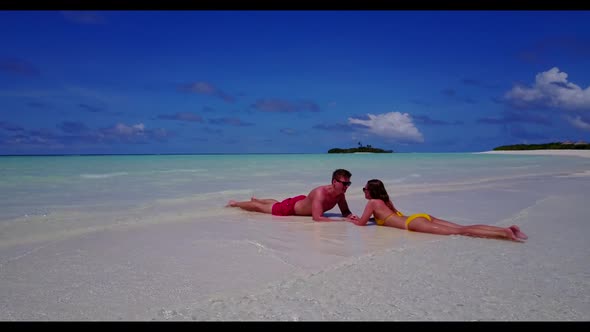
<point>87,82</point>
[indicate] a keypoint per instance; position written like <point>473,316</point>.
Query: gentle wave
<point>405,178</point>
<point>196,170</point>
<point>521,167</point>
<point>584,173</point>
<point>110,175</point>
<point>102,176</point>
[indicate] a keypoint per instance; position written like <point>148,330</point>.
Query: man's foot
<point>232,203</point>
<point>516,230</point>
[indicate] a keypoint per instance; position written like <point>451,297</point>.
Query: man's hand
<point>352,217</point>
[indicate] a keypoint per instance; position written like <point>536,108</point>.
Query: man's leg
<point>263,200</point>
<point>256,206</point>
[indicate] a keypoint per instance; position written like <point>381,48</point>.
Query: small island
<point>361,149</point>
<point>567,145</point>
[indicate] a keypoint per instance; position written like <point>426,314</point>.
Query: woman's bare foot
<point>232,203</point>
<point>516,230</point>
<point>511,235</point>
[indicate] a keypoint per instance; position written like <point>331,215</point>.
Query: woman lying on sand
<point>381,207</point>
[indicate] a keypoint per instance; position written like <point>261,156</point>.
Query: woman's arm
<point>369,209</point>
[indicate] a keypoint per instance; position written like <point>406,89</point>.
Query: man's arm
<point>317,208</point>
<point>343,205</point>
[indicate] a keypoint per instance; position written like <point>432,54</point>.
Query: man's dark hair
<point>340,172</point>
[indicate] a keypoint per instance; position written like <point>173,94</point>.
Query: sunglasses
<point>365,189</point>
<point>344,183</point>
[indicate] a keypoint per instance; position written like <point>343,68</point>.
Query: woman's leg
<point>445,222</point>
<point>519,234</point>
<point>422,224</point>
<point>515,229</point>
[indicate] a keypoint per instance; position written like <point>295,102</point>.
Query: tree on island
<point>581,145</point>
<point>360,148</point>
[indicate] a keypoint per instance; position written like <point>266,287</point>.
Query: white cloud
<point>393,125</point>
<point>123,129</point>
<point>578,122</point>
<point>551,89</point>
<point>131,133</point>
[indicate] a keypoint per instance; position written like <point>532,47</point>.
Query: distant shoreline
<point>561,152</point>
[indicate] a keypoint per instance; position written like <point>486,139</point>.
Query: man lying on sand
<point>318,201</point>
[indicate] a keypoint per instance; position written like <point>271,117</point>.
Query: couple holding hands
<point>379,205</point>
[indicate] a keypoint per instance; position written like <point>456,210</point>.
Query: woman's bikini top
<point>381,222</point>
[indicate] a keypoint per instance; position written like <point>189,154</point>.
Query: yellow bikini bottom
<point>414,216</point>
<point>381,222</point>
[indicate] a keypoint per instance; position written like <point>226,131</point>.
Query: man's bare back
<point>324,196</point>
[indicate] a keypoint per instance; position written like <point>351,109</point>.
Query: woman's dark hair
<point>377,190</point>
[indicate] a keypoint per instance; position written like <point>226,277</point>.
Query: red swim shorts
<point>286,207</point>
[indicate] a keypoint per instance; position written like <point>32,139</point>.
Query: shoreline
<point>569,153</point>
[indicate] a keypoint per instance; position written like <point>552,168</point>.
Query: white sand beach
<point>194,259</point>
